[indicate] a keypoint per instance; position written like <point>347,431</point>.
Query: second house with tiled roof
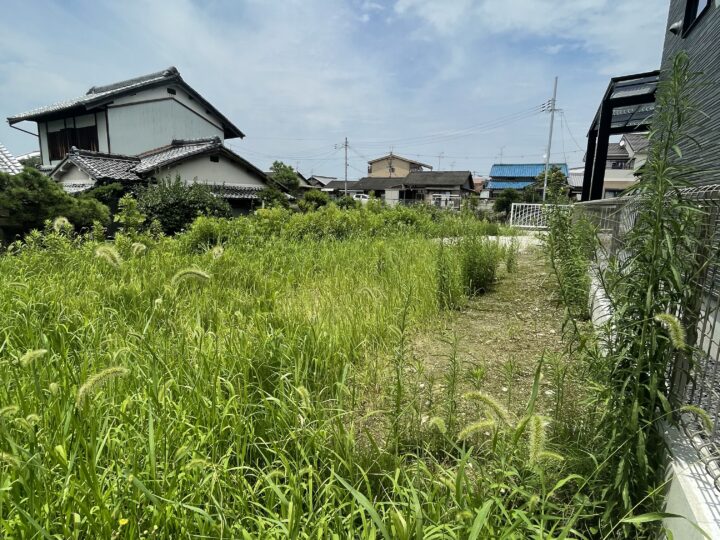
<point>137,130</point>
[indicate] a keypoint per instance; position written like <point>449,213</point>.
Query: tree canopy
<point>176,204</point>
<point>30,198</point>
<point>284,177</point>
<point>557,183</point>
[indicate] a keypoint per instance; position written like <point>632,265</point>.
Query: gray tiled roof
<point>414,179</point>
<point>99,166</point>
<point>178,150</point>
<point>438,178</point>
<point>400,158</point>
<point>615,150</point>
<point>236,192</point>
<point>98,95</point>
<point>8,163</point>
<point>120,168</point>
<point>575,179</point>
<point>637,141</point>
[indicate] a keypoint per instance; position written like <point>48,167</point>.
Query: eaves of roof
<point>100,95</point>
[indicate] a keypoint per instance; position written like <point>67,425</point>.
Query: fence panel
<point>531,216</point>
<point>696,382</point>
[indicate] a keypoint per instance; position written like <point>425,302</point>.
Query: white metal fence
<point>531,216</point>
<point>696,382</point>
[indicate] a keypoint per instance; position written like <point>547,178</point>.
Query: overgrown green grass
<point>153,388</point>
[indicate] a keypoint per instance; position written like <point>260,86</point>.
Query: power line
<point>451,134</point>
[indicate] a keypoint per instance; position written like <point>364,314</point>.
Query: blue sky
<point>421,77</point>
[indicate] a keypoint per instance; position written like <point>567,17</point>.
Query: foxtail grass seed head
<point>138,249</point>
<point>30,356</point>
<point>97,381</point>
<point>304,397</point>
<point>491,403</point>
<point>189,274</point>
<point>675,330</point>
<point>9,459</point>
<point>61,224</point>
<point>109,254</point>
<point>550,456</point>
<point>536,438</point>
<point>54,388</point>
<point>437,423</point>
<point>476,427</point>
<point>700,413</point>
<point>8,411</point>
<point>217,252</point>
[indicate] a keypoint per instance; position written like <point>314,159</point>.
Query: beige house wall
<point>381,169</point>
<point>204,171</point>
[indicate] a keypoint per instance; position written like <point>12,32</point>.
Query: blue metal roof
<point>495,184</point>
<point>525,170</point>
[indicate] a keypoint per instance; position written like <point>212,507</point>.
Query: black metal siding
<point>702,44</point>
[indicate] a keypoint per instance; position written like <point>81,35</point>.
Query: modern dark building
<point>628,104</point>
<point>694,27</point>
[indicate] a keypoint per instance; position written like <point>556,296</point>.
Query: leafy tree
<point>347,202</point>
<point>284,177</point>
<point>504,201</point>
<point>272,197</point>
<point>313,199</point>
<point>557,185</point>
<point>108,194</point>
<point>129,217</point>
<point>30,198</point>
<point>33,162</point>
<point>176,204</point>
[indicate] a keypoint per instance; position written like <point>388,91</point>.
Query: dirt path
<point>499,339</point>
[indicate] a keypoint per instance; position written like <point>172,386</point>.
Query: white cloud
<point>371,6</point>
<point>553,49</point>
<point>312,70</point>
<point>626,32</point>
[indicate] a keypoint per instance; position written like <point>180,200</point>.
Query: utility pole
<point>549,147</point>
<point>346,164</point>
<point>502,150</point>
<point>442,155</point>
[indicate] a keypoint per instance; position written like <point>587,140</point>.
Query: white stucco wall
<point>143,121</point>
<point>141,127</point>
<point>44,151</point>
<point>102,132</point>
<point>180,96</point>
<point>72,174</point>
<point>202,170</point>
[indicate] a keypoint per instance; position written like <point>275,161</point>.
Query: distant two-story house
<point>444,189</point>
<point>624,160</point>
<point>394,166</point>
<point>515,176</point>
<point>140,130</point>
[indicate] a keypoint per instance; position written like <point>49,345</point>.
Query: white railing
<point>531,216</point>
<point>451,202</point>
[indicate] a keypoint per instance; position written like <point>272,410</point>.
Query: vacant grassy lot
<point>273,389</point>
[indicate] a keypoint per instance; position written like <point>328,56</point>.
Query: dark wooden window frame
<point>60,142</point>
<point>692,16</point>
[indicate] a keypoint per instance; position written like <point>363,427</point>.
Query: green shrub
<point>176,204</point>
<point>449,287</point>
<point>313,199</point>
<point>272,197</point>
<point>346,202</point>
<point>480,259</point>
